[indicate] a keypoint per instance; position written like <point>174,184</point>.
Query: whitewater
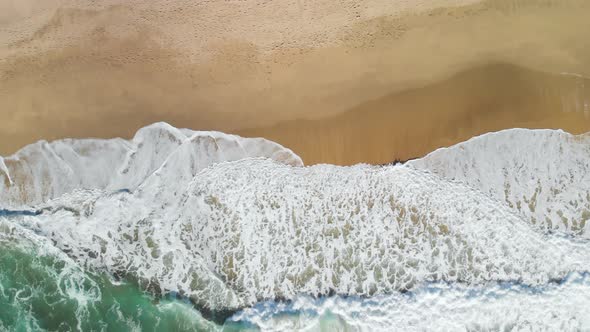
<point>185,230</point>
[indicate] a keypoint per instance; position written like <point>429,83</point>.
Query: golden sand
<point>409,124</point>
<point>337,81</point>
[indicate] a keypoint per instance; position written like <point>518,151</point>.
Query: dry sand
<point>337,81</point>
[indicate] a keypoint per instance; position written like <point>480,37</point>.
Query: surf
<point>237,233</point>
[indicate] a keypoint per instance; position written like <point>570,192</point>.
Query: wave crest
<point>228,234</point>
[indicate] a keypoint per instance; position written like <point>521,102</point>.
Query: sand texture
<point>337,81</point>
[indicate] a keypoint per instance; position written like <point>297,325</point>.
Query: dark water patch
<point>16,213</point>
<point>398,161</point>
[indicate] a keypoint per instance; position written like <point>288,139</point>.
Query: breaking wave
<point>240,230</point>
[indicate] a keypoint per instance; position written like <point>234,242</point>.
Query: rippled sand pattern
<point>337,81</point>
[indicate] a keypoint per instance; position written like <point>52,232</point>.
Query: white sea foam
<point>255,229</point>
<point>228,234</point>
<point>43,170</point>
<point>436,307</point>
<point>544,175</point>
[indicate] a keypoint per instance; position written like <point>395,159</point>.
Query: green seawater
<point>44,292</point>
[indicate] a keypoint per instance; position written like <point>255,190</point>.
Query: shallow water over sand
<point>411,123</point>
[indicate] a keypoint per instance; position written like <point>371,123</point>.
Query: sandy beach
<point>338,82</point>
<point>411,123</point>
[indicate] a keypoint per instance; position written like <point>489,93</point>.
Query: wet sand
<point>358,81</point>
<point>409,124</point>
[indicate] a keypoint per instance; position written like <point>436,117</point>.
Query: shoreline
<point>415,122</point>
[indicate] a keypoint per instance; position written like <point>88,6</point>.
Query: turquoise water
<point>43,289</point>
<point>43,292</point>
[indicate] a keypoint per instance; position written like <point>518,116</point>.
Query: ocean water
<point>42,289</point>
<point>207,232</point>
